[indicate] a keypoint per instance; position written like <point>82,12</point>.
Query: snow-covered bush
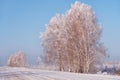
<point>110,67</point>
<point>17,60</point>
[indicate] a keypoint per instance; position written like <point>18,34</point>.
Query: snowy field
<point>37,74</point>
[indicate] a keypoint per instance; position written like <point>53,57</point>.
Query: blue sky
<point>21,21</point>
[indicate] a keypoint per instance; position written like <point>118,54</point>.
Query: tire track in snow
<point>36,74</point>
<point>25,75</point>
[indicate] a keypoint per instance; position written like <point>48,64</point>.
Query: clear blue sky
<point>21,21</point>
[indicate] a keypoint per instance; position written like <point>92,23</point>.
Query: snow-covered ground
<point>7,73</point>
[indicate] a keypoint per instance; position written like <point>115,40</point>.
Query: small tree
<point>17,60</point>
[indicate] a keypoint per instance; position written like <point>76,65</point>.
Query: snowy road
<point>36,74</point>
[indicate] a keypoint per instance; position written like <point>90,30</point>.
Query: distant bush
<point>17,60</point>
<point>117,72</point>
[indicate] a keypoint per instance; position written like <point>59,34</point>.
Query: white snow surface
<point>7,73</point>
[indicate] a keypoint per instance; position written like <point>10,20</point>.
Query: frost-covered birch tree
<point>72,41</point>
<point>17,60</point>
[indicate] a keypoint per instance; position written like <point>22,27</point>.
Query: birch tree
<point>17,60</point>
<point>72,41</point>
